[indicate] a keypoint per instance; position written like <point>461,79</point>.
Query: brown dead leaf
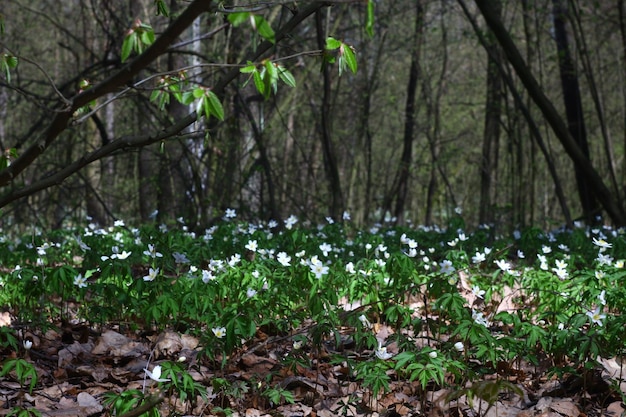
<point>89,403</point>
<point>117,345</point>
<point>171,343</point>
<point>615,409</point>
<point>74,351</point>
<point>258,365</point>
<point>560,406</point>
<point>253,412</point>
<point>294,410</point>
<point>168,344</point>
<point>565,407</point>
<point>5,319</point>
<point>98,373</point>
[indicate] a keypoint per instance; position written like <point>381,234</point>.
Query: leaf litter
<point>77,366</point>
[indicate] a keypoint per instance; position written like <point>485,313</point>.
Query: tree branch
<point>121,144</point>
<point>150,403</point>
<point>550,113</point>
<point>139,141</point>
<point>118,79</point>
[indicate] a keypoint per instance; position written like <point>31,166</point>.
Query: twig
<point>52,84</point>
<point>150,403</point>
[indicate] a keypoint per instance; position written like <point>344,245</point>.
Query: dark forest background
<point>513,111</point>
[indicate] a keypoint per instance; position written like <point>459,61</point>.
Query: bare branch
<point>115,81</point>
<point>121,144</point>
<point>127,143</point>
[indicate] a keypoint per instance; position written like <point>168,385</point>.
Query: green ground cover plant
<point>458,307</point>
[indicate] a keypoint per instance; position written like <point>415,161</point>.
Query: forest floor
<point>76,365</point>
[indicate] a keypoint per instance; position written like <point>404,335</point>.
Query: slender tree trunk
<point>433,115</point>
<point>594,90</point>
<point>172,193</point>
<point>94,179</point>
<point>410,115</point>
<point>573,108</point>
<point>532,125</point>
<point>612,207</point>
<point>263,161</point>
<point>491,133</point>
<point>369,71</point>
<point>530,186</point>
<point>622,30</point>
<point>330,163</point>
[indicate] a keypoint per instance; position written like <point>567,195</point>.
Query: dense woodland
<point>513,111</point>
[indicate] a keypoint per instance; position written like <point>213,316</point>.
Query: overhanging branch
<point>60,122</point>
<point>126,143</point>
<point>609,203</point>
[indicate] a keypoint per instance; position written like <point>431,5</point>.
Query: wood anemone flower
<point>155,375</point>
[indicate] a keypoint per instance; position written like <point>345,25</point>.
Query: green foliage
<point>278,395</point>
<point>162,8</point>
<point>374,375</point>
<point>25,372</point>
<point>207,103</point>
<point>161,277</point>
<point>346,57</point>
<point>7,63</point>
<point>369,23</point>
<point>266,78</point>
<point>257,22</point>
<point>5,159</point>
<point>182,383</point>
<point>138,38</point>
<point>24,412</point>
<point>126,401</point>
<point>169,85</point>
<point>7,338</point>
<point>425,366</point>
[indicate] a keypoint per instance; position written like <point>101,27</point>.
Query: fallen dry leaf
<point>117,345</point>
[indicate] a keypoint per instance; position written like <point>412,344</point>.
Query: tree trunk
<point>573,109</point>
<point>491,133</point>
<point>615,212</point>
<point>532,125</point>
<point>622,30</point>
<point>409,115</point>
<point>330,163</point>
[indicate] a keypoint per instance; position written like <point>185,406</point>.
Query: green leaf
<point>198,92</point>
<point>270,78</point>
<point>286,76</point>
<point>258,82</point>
<point>369,23</point>
<point>403,358</point>
<point>332,43</point>
<point>187,98</point>
<point>238,18</point>
<point>161,8</point>
<point>263,28</point>
<point>350,58</point>
<point>272,72</point>
<point>7,62</point>
<point>147,37</point>
<point>342,64</point>
<point>155,95</point>
<point>215,105</point>
<point>128,45</point>
<point>11,61</point>
<point>248,68</point>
